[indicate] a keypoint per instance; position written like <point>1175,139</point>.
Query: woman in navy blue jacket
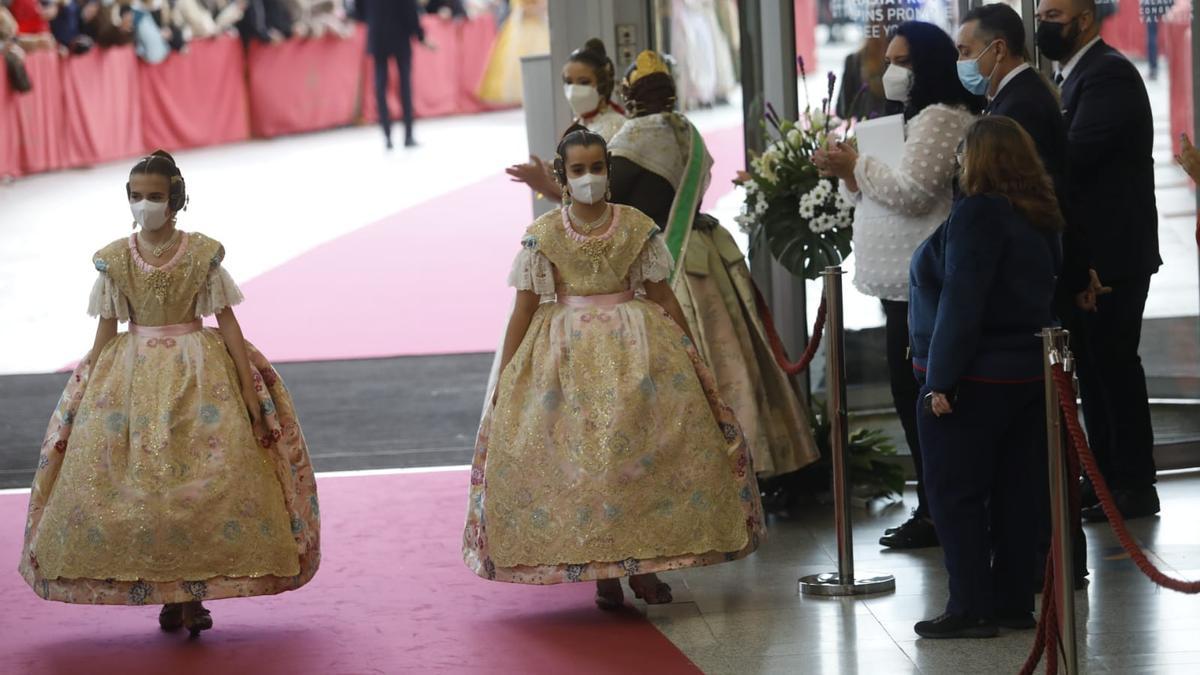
<point>982,286</point>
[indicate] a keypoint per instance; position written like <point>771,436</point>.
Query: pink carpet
<point>392,596</point>
<point>427,280</point>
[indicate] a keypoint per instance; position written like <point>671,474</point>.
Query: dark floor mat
<point>365,414</point>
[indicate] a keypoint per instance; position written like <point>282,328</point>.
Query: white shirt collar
<point>1009,77</point>
<point>1065,69</point>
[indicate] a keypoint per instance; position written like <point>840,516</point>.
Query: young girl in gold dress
<point>607,451</point>
<point>174,469</point>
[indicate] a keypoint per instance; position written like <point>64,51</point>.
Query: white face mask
<point>583,98</point>
<point>150,215</point>
<point>897,83</point>
<point>588,188</point>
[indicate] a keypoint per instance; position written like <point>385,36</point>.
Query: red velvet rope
<point>1080,454</point>
<point>777,348</point>
<point>1079,446</point>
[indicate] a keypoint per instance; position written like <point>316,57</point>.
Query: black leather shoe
<point>1087,494</point>
<point>918,532</point>
<point>1016,620</point>
<point>948,627</point>
<point>911,515</point>
<point>1139,503</point>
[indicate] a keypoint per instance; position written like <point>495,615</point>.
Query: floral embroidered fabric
<point>151,486</point>
<point>609,451</point>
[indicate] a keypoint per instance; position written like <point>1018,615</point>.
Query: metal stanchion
<point>843,581</point>
<point>1055,351</point>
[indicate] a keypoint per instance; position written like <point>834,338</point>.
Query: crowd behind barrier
<point>107,104</point>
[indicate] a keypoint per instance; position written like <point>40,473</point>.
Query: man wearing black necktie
<point>1109,198</point>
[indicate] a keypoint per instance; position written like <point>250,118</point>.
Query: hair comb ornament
<point>648,62</point>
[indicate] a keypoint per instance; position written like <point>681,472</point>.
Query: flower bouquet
<point>801,216</point>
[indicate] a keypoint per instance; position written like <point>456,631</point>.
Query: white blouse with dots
<point>909,201</point>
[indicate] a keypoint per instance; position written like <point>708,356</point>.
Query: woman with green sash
<point>661,167</point>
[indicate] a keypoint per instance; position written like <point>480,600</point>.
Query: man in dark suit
<point>993,36</point>
<point>391,27</point>
<point>1110,200</point>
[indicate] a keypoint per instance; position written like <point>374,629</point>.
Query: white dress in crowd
<point>904,204</point>
<point>705,72</point>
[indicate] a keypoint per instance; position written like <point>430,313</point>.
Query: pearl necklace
<point>588,227</point>
<point>161,249</point>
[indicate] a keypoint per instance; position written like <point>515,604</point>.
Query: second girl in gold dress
<point>607,451</point>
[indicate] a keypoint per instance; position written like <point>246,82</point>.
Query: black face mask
<point>1053,39</point>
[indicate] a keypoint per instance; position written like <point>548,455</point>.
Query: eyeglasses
<point>960,154</point>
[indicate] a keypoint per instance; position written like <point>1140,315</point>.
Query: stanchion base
<point>831,584</point>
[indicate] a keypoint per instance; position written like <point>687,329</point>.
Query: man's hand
<point>1189,158</point>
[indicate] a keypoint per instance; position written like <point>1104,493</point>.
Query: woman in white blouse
<point>899,206</point>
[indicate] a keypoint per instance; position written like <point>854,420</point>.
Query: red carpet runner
<point>392,596</point>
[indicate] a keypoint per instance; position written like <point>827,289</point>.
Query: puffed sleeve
<point>106,301</point>
<point>654,263</point>
<point>219,290</point>
<point>532,270</point>
<point>926,170</point>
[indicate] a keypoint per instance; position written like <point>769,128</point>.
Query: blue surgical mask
<point>973,80</point>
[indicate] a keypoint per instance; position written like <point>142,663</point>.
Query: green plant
<point>869,456</point>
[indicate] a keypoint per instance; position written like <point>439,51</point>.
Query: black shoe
<point>1087,494</point>
<point>410,142</point>
<point>170,618</point>
<point>911,515</point>
<point>948,626</point>
<point>1139,503</point>
<point>387,143</point>
<point>1016,620</point>
<point>918,532</point>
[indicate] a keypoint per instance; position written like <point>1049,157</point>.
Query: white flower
<point>817,119</point>
<point>761,206</point>
<point>767,167</point>
<point>795,138</point>
<point>807,210</point>
<point>745,223</point>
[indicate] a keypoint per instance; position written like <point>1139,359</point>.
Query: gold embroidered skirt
<point>609,453</point>
<point>152,487</point>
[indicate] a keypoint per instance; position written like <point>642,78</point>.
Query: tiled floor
<point>748,617</point>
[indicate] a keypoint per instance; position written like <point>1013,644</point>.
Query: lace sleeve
<point>106,301</point>
<point>654,263</point>
<point>218,292</point>
<point>531,270</point>
<point>926,170</point>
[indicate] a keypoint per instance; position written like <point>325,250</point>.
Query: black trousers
<point>904,387</point>
<point>403,57</point>
<point>985,477</point>
<point>1112,383</point>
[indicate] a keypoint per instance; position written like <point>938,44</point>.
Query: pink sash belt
<point>609,300</point>
<point>170,330</point>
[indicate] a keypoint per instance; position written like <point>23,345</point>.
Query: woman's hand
<point>939,403</point>
<point>536,174</point>
<point>254,407</point>
<point>840,161</point>
<point>529,173</point>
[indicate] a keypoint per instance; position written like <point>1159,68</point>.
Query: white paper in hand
<point>882,139</point>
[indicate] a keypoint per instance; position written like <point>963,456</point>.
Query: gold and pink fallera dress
<point>151,487</point>
<point>609,452</point>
